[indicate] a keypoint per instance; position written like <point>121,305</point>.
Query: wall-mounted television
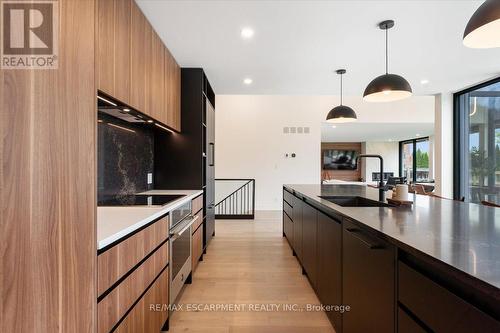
<point>335,159</point>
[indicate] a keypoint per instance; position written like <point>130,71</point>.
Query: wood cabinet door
<point>105,45</point>
<point>196,247</point>
<point>113,48</point>
<point>368,281</point>
<point>172,91</point>
<point>139,56</point>
<point>288,228</point>
<point>329,287</point>
<point>309,242</point>
<point>122,29</point>
<point>156,79</point>
<point>151,312</point>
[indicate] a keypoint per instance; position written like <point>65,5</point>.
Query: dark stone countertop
<point>461,235</point>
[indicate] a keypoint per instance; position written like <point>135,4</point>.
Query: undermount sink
<point>346,201</point>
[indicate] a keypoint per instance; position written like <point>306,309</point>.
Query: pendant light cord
<point>341,91</point>
<point>386,51</point>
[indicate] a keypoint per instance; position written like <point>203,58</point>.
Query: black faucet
<point>381,186</point>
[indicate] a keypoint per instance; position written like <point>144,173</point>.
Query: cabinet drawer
<point>151,312</point>
<point>288,227</point>
<point>406,324</point>
<point>121,258</point>
<point>198,219</point>
<point>438,308</point>
<point>114,306</point>
<point>196,247</point>
<point>287,208</point>
<point>197,204</point>
<point>288,197</point>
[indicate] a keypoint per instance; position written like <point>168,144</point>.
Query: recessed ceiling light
<point>247,33</point>
<point>126,110</point>
<point>333,126</point>
<point>424,81</point>
<point>150,121</point>
<point>247,81</point>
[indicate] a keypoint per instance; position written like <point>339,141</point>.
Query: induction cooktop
<point>138,200</point>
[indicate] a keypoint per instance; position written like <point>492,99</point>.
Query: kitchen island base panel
<point>372,276</point>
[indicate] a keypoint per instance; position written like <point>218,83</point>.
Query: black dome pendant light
<point>483,29</point>
<point>341,113</point>
<point>387,87</point>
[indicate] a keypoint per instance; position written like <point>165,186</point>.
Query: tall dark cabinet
<point>186,160</point>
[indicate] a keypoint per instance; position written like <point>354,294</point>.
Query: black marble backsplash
<point>125,157</point>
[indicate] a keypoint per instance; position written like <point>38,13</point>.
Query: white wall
<point>250,142</point>
<point>389,152</point>
<point>443,145</point>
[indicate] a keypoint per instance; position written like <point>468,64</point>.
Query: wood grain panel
<point>198,220</point>
<point>172,91</point>
<point>156,79</point>
<point>150,312</point>
<point>105,46</point>
<point>116,303</point>
<point>118,260</point>
<point>47,176</point>
<point>122,32</point>
<point>197,204</point>
<point>350,175</point>
<point>139,51</point>
<point>196,247</point>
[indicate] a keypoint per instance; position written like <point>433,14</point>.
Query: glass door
<point>477,132</point>
<point>407,160</point>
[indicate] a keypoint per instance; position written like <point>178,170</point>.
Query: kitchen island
<point>432,267</point>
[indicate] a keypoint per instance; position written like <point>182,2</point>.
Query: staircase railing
<point>238,201</point>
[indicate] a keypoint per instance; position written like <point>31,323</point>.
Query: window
<point>414,160</point>
<point>477,143</point>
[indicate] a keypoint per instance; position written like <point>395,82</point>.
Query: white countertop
<point>114,223</point>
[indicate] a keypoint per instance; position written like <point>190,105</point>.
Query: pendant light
<point>483,29</point>
<point>387,87</point>
<point>341,113</point>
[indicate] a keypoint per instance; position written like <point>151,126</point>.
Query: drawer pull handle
<point>358,234</point>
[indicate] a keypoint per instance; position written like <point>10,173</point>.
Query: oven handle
<point>178,231</point>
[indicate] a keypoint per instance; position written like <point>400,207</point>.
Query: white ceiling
<point>298,44</point>
<point>381,132</point>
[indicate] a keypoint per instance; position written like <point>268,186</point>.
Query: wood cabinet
<point>121,258</point>
<point>329,277</point>
<point>125,271</point>
<point>309,242</point>
<point>297,227</point>
<point>140,53</point>
<point>151,312</point>
<point>196,247</point>
<point>133,64</point>
<point>197,205</point>
<point>172,91</point>
<point>157,80</point>
<point>114,306</point>
<point>368,284</point>
<point>113,48</point>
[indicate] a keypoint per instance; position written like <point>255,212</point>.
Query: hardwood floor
<point>249,263</point>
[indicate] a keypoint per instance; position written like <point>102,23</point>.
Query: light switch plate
<point>150,178</point>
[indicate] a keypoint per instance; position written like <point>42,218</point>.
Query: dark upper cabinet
<point>297,226</point>
<point>309,242</point>
<point>368,284</point>
<point>329,276</point>
<point>182,160</point>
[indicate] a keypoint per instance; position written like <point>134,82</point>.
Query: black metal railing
<point>239,203</point>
